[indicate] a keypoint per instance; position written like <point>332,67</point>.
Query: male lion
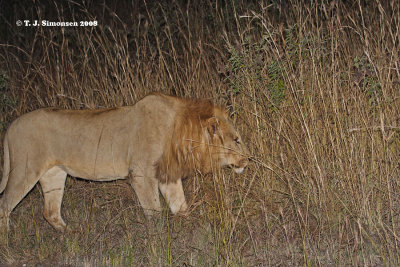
<point>155,143</point>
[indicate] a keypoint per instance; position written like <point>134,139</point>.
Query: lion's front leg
<point>174,195</point>
<point>146,189</point>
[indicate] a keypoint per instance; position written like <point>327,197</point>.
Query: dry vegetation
<point>314,88</point>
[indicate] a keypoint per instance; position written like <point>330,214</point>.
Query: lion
<point>153,144</point>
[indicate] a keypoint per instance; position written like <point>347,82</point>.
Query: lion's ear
<point>212,125</point>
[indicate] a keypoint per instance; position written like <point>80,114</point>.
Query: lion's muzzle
<point>239,168</point>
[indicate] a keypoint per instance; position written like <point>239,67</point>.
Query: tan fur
<point>155,143</point>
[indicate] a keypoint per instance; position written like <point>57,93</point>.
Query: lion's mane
<point>189,147</point>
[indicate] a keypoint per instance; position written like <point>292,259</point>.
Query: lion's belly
<point>99,174</point>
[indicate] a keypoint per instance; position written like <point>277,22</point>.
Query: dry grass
<point>314,88</point>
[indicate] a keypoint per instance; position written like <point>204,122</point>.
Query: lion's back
<point>154,110</point>
<point>144,126</point>
<point>106,139</point>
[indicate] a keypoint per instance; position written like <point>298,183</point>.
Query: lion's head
<point>203,139</point>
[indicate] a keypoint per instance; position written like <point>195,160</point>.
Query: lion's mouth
<point>238,170</point>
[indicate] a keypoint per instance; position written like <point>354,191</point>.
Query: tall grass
<point>314,87</point>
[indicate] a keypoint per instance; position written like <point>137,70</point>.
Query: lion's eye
<point>237,141</point>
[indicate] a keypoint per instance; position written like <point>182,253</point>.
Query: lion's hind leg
<point>53,183</point>
<point>21,180</point>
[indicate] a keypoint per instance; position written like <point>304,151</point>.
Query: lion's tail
<point>6,168</point>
